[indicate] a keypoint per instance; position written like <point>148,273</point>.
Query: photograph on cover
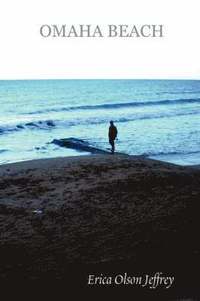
<point>100,182</point>
<point>100,146</point>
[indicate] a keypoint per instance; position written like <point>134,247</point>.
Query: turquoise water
<point>158,118</point>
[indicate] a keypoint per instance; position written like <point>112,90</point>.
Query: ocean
<point>156,118</point>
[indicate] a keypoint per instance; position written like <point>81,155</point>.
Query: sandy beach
<point>99,213</point>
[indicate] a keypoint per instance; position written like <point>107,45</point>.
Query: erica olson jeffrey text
<point>157,280</point>
<point>98,31</point>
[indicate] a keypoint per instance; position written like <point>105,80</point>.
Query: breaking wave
<point>50,124</point>
<point>119,105</point>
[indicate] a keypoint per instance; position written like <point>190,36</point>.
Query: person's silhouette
<point>112,134</point>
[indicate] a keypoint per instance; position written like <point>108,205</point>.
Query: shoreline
<point>70,157</point>
<point>97,213</point>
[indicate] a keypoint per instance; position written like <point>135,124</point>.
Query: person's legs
<point>112,143</point>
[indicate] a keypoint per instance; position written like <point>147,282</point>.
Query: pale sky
<point>24,54</point>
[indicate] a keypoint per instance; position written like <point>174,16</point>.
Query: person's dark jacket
<point>112,132</point>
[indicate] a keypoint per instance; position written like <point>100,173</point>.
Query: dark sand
<point>99,214</point>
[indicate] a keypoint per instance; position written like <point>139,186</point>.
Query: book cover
<point>99,146</point>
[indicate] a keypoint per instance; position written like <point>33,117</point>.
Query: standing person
<point>112,134</point>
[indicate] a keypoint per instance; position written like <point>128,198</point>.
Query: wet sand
<point>65,217</point>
